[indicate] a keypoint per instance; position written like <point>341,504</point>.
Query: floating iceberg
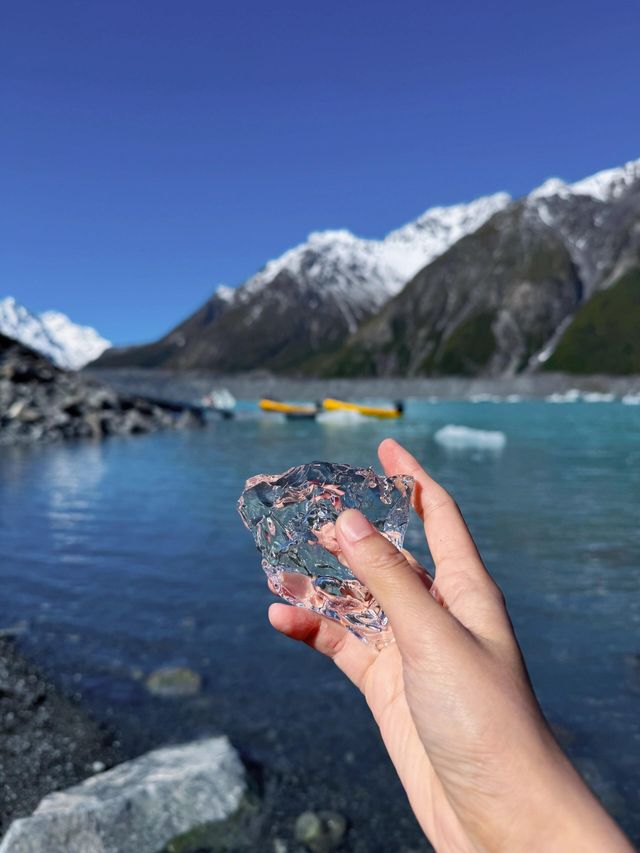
<point>597,397</point>
<point>457,437</point>
<point>571,396</point>
<point>485,398</point>
<point>631,400</point>
<point>341,418</point>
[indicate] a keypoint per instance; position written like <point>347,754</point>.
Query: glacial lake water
<point>128,555</point>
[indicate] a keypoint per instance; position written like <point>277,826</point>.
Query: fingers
<point>462,582</point>
<point>394,582</point>
<point>329,638</point>
<point>447,534</point>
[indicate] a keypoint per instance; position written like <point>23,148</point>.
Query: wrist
<point>556,810</point>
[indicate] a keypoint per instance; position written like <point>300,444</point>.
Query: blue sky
<point>151,150</point>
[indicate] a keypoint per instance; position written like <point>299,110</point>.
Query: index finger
<point>447,534</point>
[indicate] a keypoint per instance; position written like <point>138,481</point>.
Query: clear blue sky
<point>151,150</point>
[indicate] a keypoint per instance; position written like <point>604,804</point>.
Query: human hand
<point>451,696</point>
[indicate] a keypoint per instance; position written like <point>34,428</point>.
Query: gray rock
<point>320,832</point>
<point>173,681</point>
<point>138,806</point>
<point>39,402</point>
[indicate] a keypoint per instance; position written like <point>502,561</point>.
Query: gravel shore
<point>46,741</point>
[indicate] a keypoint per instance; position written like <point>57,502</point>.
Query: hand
<point>451,696</point>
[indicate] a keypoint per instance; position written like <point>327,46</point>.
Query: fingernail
<point>354,526</point>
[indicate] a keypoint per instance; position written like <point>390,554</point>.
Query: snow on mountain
<point>415,245</point>
<point>369,272</point>
<point>225,293</point>
<point>604,186</point>
<point>51,333</point>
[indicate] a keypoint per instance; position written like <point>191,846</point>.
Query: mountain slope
<point>604,335</point>
<point>500,299</point>
<point>52,334</point>
<point>485,306</point>
<point>310,299</point>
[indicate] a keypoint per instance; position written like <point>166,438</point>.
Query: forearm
<point>556,812</point>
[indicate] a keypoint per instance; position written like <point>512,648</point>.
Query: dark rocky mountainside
<point>486,306</point>
<point>170,349</point>
<point>550,282</point>
<point>604,335</point>
<point>40,402</point>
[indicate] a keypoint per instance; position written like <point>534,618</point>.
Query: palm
<point>383,687</point>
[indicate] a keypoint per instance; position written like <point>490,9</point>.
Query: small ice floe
<point>455,437</point>
<point>571,396</point>
<point>344,418</point>
<point>597,397</point>
<point>631,400</point>
<point>485,398</point>
<point>513,398</point>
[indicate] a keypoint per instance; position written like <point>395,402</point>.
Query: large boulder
<point>138,806</point>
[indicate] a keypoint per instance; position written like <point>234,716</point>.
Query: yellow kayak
<point>369,411</point>
<point>287,408</point>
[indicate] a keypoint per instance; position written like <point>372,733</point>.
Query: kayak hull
<point>287,408</point>
<point>333,405</point>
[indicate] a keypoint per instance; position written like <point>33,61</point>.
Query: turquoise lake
<point>128,555</point>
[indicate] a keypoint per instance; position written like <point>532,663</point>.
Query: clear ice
<point>292,518</point>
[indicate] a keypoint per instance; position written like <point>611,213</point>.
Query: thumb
<point>387,573</point>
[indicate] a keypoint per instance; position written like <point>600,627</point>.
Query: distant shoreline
<point>190,385</point>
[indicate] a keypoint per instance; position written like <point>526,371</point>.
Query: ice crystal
<point>292,518</point>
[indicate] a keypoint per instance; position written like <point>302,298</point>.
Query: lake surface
<point>128,555</point>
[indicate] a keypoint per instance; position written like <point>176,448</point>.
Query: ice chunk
<point>292,518</point>
<point>570,396</point>
<point>463,437</point>
<point>597,397</point>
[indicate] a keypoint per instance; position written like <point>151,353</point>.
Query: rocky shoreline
<point>66,785</point>
<point>40,402</point>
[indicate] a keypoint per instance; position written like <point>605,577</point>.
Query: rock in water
<point>174,681</point>
<point>321,832</point>
<point>138,806</point>
<point>292,518</point>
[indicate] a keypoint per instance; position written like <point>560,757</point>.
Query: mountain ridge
<point>310,298</point>
<point>504,278</point>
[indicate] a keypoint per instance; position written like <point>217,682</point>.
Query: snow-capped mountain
<point>366,273</point>
<point>310,298</point>
<point>553,283</point>
<point>423,299</point>
<point>604,186</point>
<point>51,333</point>
<point>591,215</point>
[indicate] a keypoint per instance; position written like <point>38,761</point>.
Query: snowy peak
<point>51,333</point>
<point>368,271</point>
<point>412,247</point>
<point>604,186</point>
<point>224,293</point>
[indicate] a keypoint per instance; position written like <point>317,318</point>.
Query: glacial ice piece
<point>292,518</point>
